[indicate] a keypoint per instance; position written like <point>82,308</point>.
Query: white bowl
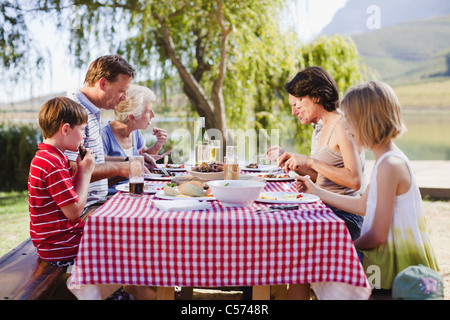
<point>236,193</point>
<point>207,176</point>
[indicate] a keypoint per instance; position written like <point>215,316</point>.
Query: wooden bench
<point>381,294</point>
<point>268,292</point>
<point>24,276</point>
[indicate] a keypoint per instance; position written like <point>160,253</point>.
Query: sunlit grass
<point>14,220</point>
<point>425,95</point>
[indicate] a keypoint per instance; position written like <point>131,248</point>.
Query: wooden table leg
<point>278,292</point>
<point>187,293</point>
<point>165,293</point>
<point>261,292</point>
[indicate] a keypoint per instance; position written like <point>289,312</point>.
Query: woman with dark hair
<point>335,162</point>
<point>317,84</point>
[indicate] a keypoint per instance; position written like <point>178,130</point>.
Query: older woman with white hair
<point>122,136</point>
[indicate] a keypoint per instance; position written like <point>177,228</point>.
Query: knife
<point>277,208</point>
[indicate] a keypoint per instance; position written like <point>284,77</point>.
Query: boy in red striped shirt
<point>57,197</point>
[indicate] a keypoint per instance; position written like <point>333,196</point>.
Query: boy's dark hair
<point>316,83</point>
<point>108,67</point>
<point>58,111</point>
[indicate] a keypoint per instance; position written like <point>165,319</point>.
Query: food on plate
<point>266,197</point>
<point>293,196</point>
<point>171,189</point>
<point>174,166</point>
<point>157,171</point>
<point>184,178</point>
<point>209,167</point>
<point>274,176</point>
<point>252,166</point>
<point>82,150</point>
<point>191,188</point>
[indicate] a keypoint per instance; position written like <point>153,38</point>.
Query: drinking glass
<point>231,164</point>
<point>136,175</point>
<point>214,146</point>
<point>232,154</point>
<point>203,152</point>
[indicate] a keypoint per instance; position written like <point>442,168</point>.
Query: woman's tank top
<point>333,158</point>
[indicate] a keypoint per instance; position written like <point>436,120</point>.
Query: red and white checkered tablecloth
<point>129,241</point>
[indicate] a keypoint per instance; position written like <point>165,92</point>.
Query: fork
<point>166,173</point>
<point>275,170</point>
<point>288,187</point>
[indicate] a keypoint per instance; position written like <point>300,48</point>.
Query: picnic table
<point>130,241</point>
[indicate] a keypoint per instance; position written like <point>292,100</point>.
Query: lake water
<point>427,138</point>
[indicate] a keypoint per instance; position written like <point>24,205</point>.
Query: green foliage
<point>259,57</point>
<point>19,55</point>
<point>18,146</point>
<point>339,56</point>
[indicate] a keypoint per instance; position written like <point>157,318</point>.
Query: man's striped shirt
<point>50,187</point>
<point>98,190</point>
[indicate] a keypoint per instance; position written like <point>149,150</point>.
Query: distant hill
<point>408,52</point>
<point>29,105</point>
<point>352,18</point>
<point>411,44</point>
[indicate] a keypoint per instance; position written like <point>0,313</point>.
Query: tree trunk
<point>212,110</point>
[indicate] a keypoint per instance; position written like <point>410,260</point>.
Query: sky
<point>307,17</point>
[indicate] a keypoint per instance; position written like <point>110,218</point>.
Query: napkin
<point>181,205</point>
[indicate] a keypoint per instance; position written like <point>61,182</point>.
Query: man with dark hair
<point>107,81</point>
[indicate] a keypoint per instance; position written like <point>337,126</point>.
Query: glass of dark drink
<point>136,182</point>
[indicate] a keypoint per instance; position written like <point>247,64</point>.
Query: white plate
<point>157,176</point>
<point>173,169</point>
<point>261,168</point>
<point>261,175</point>
<point>307,198</point>
<point>160,194</point>
<point>148,187</point>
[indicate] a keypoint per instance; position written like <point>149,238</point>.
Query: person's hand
<point>281,161</point>
<point>161,136</point>
<point>274,152</point>
<point>295,162</point>
<point>304,184</point>
<point>160,156</point>
<point>149,162</point>
<point>87,164</point>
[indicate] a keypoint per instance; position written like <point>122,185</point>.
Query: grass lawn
<point>429,95</point>
<point>14,220</point>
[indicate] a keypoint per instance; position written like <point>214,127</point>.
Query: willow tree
<point>200,39</point>
<point>230,56</point>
